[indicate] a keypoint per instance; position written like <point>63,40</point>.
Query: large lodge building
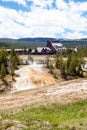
<point>51,48</point>
<point>56,46</point>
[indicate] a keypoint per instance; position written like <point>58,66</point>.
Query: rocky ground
<point>61,93</point>
<point>38,87</point>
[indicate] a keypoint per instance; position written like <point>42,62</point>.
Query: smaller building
<point>19,51</point>
<point>43,50</point>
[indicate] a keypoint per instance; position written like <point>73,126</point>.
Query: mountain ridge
<point>40,42</point>
<point>39,39</point>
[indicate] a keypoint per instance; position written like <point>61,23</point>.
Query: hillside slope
<point>41,42</point>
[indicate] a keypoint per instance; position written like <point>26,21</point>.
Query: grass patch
<point>54,117</point>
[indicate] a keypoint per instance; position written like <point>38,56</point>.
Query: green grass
<point>53,117</point>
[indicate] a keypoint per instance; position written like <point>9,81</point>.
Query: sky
<point>43,18</point>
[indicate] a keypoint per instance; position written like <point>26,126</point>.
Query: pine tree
<point>3,71</point>
<point>3,58</point>
<point>35,51</point>
<point>68,62</point>
<point>79,69</point>
<point>12,72</point>
<point>63,70</point>
<point>73,65</point>
<point>58,60</point>
<point>14,60</point>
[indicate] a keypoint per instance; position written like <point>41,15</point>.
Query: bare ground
<point>60,93</point>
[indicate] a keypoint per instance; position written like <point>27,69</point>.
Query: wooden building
<point>56,46</point>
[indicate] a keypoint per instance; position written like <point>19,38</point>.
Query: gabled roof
<point>57,44</point>
<point>39,49</point>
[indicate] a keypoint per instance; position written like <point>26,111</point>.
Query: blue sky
<point>43,18</point>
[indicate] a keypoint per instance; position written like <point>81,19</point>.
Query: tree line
<point>8,62</point>
<point>69,66</point>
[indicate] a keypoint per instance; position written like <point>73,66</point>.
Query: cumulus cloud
<point>42,3</point>
<point>61,4</point>
<point>44,20</point>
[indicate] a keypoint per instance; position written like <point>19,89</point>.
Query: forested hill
<point>41,42</point>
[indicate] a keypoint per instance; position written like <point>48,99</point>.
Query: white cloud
<point>61,4</point>
<point>74,35</point>
<point>42,3</point>
<point>22,2</point>
<point>41,22</point>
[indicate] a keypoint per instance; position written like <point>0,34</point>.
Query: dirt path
<point>60,93</point>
